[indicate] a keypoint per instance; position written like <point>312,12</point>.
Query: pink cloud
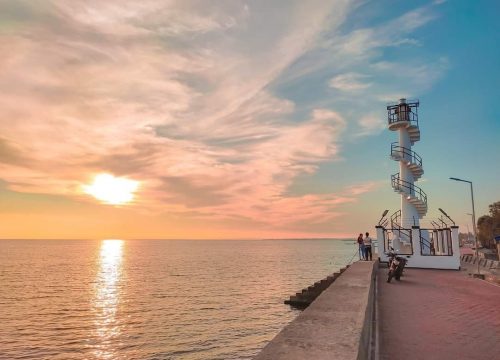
<point>173,96</point>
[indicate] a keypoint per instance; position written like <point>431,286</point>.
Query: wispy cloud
<point>350,82</point>
<point>179,95</point>
<point>352,51</point>
<point>357,59</point>
<point>172,94</point>
<point>421,75</point>
<point>371,124</point>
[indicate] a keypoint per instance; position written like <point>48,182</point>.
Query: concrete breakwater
<point>304,298</point>
<point>489,270</point>
<point>338,324</point>
<point>486,263</point>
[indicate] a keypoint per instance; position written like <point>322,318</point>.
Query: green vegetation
<point>488,226</point>
<point>465,237</point>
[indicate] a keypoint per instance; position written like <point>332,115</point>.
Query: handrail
<point>395,217</point>
<point>414,190</point>
<point>406,232</point>
<point>425,242</point>
<point>441,249</point>
<point>387,240</point>
<point>412,156</point>
<point>408,101</point>
<point>411,117</point>
<point>403,112</point>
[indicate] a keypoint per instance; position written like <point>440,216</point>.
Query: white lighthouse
<point>435,247</point>
<point>403,118</point>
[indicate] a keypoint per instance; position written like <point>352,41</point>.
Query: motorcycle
<point>396,266</point>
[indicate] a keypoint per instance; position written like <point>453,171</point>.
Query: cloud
<point>12,154</point>
<point>371,124</point>
<point>368,66</point>
<point>351,51</point>
<point>421,76</point>
<point>181,96</point>
<point>361,188</point>
<point>172,94</point>
<point>349,82</point>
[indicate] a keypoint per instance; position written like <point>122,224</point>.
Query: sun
<point>112,190</point>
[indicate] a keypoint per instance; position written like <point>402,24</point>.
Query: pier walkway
<point>437,314</point>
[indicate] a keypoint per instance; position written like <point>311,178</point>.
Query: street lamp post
<point>473,218</point>
<point>468,225</point>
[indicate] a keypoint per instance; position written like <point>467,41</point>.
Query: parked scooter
<point>396,265</point>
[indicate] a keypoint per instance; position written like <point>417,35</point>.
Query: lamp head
<point>383,216</point>
<point>444,213</point>
<point>462,180</point>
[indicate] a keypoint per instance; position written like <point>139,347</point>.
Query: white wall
<point>418,261</point>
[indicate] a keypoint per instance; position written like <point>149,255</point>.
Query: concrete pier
<point>335,326</point>
<point>429,314</point>
<point>303,299</point>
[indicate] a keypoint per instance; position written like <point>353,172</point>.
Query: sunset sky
<point>239,119</point>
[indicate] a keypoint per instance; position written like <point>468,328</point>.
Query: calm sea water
<point>153,299</point>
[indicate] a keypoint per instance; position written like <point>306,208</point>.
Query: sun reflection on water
<point>107,297</point>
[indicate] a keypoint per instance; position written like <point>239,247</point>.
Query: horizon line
<point>177,239</point>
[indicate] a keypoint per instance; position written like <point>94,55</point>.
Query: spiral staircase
<point>403,117</point>
<point>413,194</point>
<point>411,158</point>
<point>404,235</point>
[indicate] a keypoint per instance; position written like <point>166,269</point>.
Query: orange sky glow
<point>158,119</point>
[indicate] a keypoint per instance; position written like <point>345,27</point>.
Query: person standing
<point>368,246</point>
<point>361,247</point>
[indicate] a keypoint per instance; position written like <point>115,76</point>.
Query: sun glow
<point>112,190</point>
<point>108,292</point>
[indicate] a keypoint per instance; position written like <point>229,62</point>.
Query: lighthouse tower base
<point>425,248</point>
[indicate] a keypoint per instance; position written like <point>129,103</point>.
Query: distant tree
<point>465,237</point>
<point>495,209</point>
<point>485,230</point>
<point>488,226</point>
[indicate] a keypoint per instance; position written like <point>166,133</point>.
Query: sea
<point>154,299</point>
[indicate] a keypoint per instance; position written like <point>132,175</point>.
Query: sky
<point>239,119</point>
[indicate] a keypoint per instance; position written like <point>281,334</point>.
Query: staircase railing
<point>395,217</point>
<point>440,249</point>
<point>395,224</point>
<point>400,230</point>
<point>407,154</point>
<point>426,243</point>
<point>403,112</point>
<point>412,189</point>
<point>388,242</point>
